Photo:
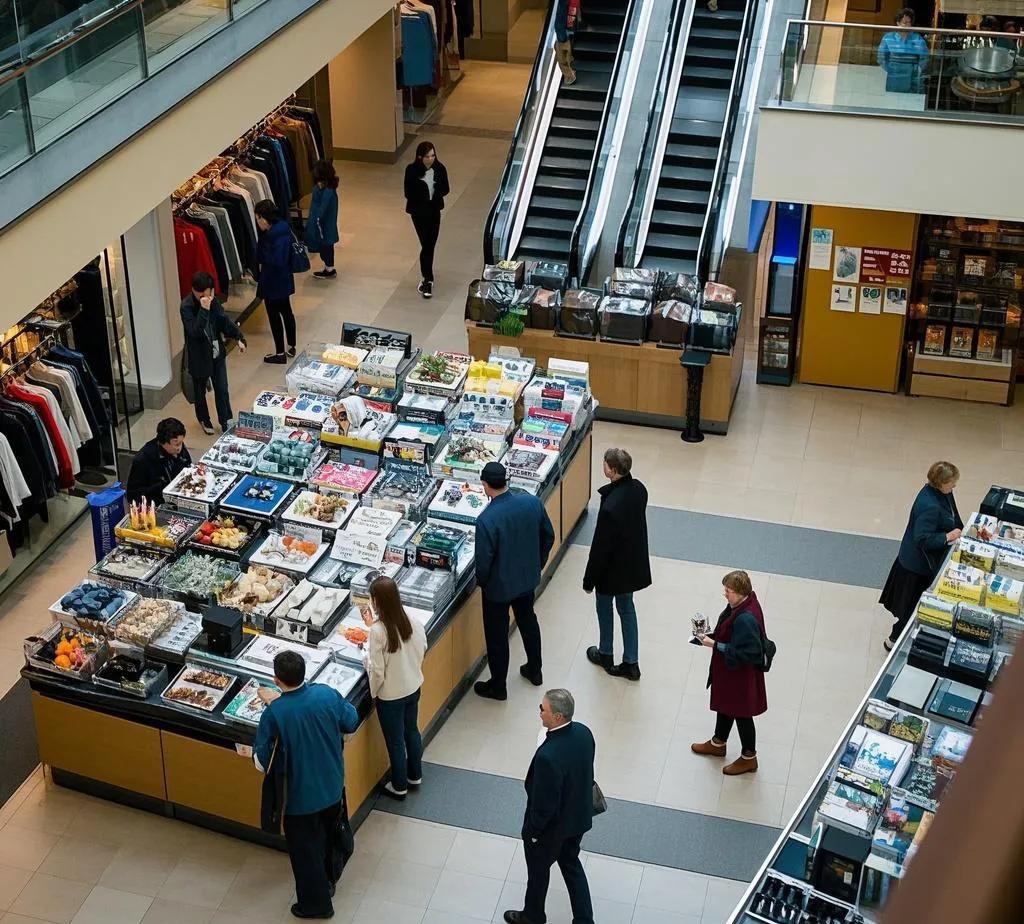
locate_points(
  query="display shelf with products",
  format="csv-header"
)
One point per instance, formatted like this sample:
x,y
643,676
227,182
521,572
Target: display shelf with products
x,y
873,801
160,731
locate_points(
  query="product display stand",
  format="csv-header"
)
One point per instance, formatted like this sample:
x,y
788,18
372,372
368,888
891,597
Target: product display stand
x,y
694,362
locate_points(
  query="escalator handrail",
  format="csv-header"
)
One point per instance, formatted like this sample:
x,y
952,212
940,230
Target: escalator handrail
x,y
577,230
668,55
739,75
528,98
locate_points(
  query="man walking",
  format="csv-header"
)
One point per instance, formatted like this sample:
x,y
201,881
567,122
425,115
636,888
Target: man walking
x,y
619,563
305,724
513,540
559,811
206,324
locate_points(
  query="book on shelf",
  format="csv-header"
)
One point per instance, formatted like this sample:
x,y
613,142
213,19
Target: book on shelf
x,y
883,757
927,779
956,701
951,745
897,827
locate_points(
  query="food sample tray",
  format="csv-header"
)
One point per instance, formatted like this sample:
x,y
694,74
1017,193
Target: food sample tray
x,y
283,551
309,508
128,566
198,488
173,529
92,606
227,535
258,496
196,577
258,656
198,687
234,453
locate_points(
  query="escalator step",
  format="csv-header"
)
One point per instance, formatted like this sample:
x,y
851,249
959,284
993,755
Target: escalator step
x,y
721,38
669,264
702,108
570,144
710,76
581,127
566,166
682,199
594,44
540,247
692,177
672,222
673,245
690,155
722,15
558,184
699,90
697,129
546,226
555,206
575,106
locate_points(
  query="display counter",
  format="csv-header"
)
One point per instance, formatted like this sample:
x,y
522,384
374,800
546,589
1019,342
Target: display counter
x,y
641,383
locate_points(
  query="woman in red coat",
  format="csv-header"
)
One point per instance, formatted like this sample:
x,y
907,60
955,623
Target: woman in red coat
x,y
735,677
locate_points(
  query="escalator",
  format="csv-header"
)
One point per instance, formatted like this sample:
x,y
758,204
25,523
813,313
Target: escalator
x,y
569,148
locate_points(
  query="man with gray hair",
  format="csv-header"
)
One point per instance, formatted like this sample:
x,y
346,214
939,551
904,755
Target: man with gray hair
x,y
619,564
559,811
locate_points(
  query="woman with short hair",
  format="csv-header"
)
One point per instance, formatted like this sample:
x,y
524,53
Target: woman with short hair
x,y
426,185
934,524
394,663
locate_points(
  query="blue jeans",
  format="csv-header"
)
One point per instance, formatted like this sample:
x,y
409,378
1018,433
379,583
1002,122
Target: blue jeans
x,y
627,617
402,737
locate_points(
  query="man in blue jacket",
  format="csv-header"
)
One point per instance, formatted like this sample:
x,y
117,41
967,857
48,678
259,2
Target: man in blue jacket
x,y
305,723
513,540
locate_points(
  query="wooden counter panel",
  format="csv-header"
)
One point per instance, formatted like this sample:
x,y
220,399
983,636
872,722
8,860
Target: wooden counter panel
x,y
576,486
438,677
211,779
366,761
553,506
468,642
98,746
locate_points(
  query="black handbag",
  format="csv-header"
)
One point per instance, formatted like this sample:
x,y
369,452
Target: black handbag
x,y
600,803
344,840
298,260
272,795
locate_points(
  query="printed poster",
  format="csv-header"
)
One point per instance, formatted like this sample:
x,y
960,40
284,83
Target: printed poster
x,y
821,249
895,300
844,298
847,265
899,264
874,266
871,299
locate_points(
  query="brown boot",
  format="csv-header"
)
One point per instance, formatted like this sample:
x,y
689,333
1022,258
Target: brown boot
x,y
740,766
710,748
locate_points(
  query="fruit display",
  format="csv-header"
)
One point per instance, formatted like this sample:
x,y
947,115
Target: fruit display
x,y
257,495
198,575
129,563
258,590
229,534
131,674
198,687
247,707
91,605
155,526
236,453
289,454
328,511
67,652
339,476
146,620
289,552
199,483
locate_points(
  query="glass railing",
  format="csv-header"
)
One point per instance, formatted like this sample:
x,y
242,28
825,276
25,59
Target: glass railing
x,y
527,136
62,63
906,71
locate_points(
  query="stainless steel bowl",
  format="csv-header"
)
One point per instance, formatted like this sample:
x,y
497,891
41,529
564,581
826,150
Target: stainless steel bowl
x,y
987,63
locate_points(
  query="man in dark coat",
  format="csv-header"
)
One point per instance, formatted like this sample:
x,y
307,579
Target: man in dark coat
x,y
559,811
159,462
513,540
206,324
619,563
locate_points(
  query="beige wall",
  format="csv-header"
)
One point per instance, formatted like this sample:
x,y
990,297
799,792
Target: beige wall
x,y
48,246
363,89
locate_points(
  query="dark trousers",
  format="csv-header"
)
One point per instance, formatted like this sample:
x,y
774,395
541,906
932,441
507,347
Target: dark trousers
x,y
496,634
220,394
327,255
310,840
748,734
398,722
428,226
539,859
282,321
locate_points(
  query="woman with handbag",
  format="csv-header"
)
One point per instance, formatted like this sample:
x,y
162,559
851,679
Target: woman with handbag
x,y
322,223
276,283
736,673
394,664
934,523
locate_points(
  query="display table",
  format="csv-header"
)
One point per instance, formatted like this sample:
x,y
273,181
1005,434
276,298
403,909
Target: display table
x,y
183,764
964,379
633,384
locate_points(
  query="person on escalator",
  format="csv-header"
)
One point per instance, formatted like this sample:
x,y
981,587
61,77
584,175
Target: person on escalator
x,y
566,14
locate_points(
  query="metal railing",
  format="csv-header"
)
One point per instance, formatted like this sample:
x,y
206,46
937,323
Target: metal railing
x,y
57,74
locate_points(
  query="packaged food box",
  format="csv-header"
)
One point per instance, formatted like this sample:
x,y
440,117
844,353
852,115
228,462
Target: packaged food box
x,y
258,495
977,554
578,316
1003,594
324,511
348,479
549,274
962,582
936,611
670,322
459,501
198,488
510,271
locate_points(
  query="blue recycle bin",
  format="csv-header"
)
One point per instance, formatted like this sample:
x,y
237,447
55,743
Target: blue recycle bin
x,y
107,509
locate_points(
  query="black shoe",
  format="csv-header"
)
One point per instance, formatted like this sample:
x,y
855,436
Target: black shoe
x,y
291,351
483,688
391,793
297,912
535,677
426,289
516,917
629,671
325,274
594,656
278,359
208,428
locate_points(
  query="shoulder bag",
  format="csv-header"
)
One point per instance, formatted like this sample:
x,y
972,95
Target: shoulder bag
x,y
272,796
600,803
298,257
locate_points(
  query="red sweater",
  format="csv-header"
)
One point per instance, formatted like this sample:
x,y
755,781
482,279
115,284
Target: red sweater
x,y
193,254
65,474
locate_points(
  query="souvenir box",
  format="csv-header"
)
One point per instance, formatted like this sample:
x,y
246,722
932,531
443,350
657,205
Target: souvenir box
x,y
578,316
510,271
480,424
129,566
308,612
171,530
347,479
430,589
1003,594
235,453
466,453
354,422
198,687
406,491
198,488
542,433
962,582
555,395
258,496
535,464
398,551
428,409
92,606
934,342
364,577
269,402
227,535
976,554
291,454
349,637
381,397
374,522
343,354
544,307
256,592
381,367
458,501
412,442
961,341
246,707
295,554
357,549
437,544
549,274
196,578
324,511
340,675
712,330
679,286
72,654
526,485
131,674
305,410
670,322
441,373
145,621
258,656
309,372
175,641
624,319
1010,564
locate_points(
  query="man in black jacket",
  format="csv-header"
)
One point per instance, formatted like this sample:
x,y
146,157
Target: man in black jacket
x,y
159,462
619,563
559,811
206,324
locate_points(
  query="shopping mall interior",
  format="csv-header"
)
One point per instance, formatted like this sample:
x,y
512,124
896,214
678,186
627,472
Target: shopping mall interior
x,y
731,239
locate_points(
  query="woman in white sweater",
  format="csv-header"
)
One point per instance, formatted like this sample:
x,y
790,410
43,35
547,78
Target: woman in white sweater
x,y
394,662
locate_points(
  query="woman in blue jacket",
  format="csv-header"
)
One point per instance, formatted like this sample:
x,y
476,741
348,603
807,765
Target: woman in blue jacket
x,y
322,223
934,524
903,55
276,284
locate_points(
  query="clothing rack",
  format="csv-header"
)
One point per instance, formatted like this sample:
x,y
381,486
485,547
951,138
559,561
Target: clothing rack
x,y
21,363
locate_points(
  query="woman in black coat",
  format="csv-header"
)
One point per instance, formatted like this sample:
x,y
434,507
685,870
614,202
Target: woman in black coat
x,y
619,563
934,523
426,185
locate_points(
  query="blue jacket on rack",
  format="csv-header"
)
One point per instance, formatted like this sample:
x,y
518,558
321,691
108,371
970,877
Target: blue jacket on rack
x,y
322,223
276,280
419,50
